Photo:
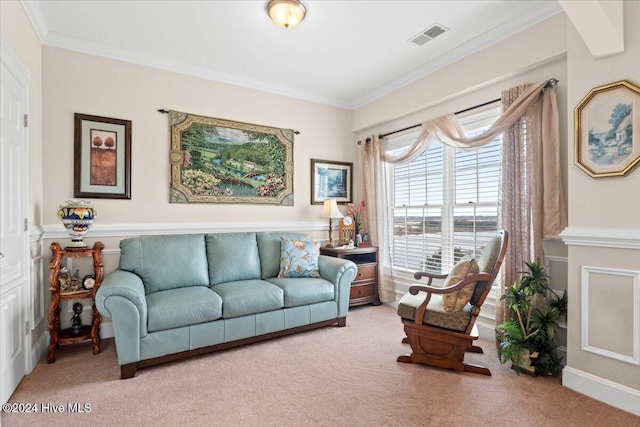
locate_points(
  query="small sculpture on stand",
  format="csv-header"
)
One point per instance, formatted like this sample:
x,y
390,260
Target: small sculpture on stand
x,y
64,280
76,282
76,321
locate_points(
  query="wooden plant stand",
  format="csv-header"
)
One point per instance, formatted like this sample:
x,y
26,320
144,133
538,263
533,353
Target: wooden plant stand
x,y
58,336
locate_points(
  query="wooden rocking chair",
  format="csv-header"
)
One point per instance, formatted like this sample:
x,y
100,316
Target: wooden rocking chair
x,y
439,338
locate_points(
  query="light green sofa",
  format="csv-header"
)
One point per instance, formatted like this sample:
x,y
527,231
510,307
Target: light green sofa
x,y
180,295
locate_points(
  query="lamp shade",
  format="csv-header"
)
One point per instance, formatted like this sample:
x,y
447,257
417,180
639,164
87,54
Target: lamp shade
x,y
286,13
330,209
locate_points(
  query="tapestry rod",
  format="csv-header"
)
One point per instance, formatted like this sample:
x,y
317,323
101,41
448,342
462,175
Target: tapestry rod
x,y
163,111
550,83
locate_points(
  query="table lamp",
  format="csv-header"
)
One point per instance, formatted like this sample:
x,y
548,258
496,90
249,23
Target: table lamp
x,y
330,211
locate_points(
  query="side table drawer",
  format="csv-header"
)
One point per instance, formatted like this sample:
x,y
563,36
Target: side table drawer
x,y
362,291
366,271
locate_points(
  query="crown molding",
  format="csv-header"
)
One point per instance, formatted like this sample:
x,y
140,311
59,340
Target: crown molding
x,y
474,45
623,238
39,23
486,39
57,231
63,41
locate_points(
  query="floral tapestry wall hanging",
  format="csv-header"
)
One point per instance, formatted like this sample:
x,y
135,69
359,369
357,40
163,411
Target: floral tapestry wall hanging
x,y
222,161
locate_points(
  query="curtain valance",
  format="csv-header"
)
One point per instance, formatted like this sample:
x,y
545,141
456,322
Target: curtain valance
x,y
447,130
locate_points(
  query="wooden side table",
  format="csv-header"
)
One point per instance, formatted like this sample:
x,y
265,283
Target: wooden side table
x,y
58,336
364,289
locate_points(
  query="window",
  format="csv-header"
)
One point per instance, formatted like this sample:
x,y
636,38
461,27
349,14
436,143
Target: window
x,y
445,204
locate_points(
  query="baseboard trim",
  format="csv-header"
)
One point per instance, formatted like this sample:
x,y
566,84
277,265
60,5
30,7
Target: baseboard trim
x,y
486,331
614,394
39,350
106,330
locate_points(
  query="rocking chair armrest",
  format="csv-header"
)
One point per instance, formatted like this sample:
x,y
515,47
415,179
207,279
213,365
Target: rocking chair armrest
x,y
420,274
422,308
414,289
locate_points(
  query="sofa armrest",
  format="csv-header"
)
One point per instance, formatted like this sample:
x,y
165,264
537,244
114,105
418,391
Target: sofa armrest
x,y
341,273
121,298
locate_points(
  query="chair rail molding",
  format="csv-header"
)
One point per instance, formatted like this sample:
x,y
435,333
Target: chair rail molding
x,y
57,231
623,238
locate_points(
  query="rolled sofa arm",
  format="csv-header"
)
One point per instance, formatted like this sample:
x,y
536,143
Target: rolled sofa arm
x,y
341,273
121,298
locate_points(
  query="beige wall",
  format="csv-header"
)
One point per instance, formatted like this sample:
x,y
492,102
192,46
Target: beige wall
x,y
15,25
75,82
596,204
17,29
507,58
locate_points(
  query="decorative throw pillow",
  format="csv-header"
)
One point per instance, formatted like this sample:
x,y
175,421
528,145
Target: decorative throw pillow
x,y
455,301
299,258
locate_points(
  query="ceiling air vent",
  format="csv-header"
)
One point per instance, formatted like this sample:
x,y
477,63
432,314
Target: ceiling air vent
x,y
429,34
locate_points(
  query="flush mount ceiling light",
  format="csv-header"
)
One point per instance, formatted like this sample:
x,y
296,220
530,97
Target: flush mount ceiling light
x,y
286,13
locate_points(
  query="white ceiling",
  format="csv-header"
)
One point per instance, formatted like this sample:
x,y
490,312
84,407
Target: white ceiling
x,y
345,53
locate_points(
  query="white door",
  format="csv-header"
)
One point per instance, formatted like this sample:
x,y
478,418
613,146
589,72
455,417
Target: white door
x,y
14,255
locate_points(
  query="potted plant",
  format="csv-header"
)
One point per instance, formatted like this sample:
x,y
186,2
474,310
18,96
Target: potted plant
x,y
527,339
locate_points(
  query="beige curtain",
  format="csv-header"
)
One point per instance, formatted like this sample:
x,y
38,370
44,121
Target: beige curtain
x,y
532,200
546,204
377,214
448,131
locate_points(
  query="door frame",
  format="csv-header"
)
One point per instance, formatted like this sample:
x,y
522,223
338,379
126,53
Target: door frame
x,y
10,59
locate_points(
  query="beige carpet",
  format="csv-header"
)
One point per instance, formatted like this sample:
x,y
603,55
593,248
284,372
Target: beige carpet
x,y
327,377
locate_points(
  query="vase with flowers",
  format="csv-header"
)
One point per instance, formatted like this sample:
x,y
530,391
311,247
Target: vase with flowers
x,y
357,213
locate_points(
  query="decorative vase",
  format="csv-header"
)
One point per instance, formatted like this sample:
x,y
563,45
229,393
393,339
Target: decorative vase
x,y
77,216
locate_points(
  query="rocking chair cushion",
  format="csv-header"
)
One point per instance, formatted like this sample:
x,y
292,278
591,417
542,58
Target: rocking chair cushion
x,y
486,263
456,301
435,314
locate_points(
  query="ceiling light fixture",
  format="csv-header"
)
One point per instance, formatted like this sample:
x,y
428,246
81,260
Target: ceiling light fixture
x,y
286,13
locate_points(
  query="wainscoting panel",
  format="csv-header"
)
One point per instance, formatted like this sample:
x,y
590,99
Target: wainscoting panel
x,y
611,296
37,291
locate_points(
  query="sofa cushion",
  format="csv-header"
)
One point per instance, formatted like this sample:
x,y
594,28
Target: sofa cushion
x,y
174,308
305,291
246,297
299,258
232,256
435,314
166,262
269,246
456,301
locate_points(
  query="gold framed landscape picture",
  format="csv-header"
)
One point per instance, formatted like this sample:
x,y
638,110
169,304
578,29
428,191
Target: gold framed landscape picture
x,y
607,129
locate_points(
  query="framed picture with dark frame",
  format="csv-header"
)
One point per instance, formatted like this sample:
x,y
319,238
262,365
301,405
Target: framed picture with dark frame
x,y
331,180
607,129
102,157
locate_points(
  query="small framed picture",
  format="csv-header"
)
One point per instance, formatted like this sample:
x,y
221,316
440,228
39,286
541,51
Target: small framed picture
x,y
607,128
331,179
102,157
